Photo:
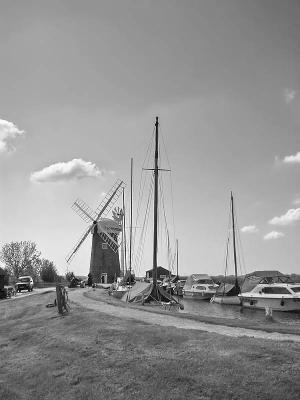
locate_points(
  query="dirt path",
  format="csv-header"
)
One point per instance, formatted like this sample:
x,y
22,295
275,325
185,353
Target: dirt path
x,y
78,297
23,294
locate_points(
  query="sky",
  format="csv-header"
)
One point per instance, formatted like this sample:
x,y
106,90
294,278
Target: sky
x,y
81,84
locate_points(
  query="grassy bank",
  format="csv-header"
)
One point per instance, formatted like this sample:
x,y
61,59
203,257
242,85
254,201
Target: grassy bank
x,y
89,355
265,325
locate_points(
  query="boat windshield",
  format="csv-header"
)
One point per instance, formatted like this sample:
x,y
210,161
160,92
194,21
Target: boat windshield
x,y
200,287
296,289
205,281
275,290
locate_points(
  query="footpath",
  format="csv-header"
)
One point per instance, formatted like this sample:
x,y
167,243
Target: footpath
x,y
79,297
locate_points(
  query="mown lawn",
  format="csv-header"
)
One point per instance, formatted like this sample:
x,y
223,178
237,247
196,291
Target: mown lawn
x,y
88,355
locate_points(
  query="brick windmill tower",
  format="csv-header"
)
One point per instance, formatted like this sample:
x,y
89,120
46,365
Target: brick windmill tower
x,y
105,263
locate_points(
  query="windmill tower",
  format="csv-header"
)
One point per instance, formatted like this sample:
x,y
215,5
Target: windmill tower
x,y
105,263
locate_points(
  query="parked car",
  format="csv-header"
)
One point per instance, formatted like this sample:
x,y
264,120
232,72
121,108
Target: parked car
x,y
24,283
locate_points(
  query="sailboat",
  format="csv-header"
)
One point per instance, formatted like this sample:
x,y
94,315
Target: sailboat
x,y
152,292
228,293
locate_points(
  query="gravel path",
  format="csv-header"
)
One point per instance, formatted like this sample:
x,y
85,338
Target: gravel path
x,y
78,297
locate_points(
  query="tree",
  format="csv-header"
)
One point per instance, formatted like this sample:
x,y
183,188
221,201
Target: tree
x,y
5,274
21,258
48,271
69,276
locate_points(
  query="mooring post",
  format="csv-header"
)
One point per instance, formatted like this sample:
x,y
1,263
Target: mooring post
x,y
59,299
269,313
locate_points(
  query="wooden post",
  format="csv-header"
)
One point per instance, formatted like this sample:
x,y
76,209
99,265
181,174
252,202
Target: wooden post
x,y
61,299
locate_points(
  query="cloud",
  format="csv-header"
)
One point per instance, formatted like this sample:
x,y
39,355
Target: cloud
x,y
273,235
292,159
289,218
249,229
296,201
289,95
8,132
67,171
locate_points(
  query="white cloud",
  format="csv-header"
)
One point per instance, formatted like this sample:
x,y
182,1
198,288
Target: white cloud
x,y
249,229
289,218
8,132
289,95
273,235
66,171
294,159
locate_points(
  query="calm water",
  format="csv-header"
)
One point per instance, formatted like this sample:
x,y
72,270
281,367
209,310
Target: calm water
x,y
200,307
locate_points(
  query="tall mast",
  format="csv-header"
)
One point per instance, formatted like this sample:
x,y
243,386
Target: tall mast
x,y
234,245
177,258
124,236
155,205
130,242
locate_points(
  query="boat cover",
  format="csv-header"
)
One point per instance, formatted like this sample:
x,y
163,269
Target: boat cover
x,y
226,289
256,277
143,292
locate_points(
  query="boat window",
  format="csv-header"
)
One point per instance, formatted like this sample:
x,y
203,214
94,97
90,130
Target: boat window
x,y
296,289
200,287
205,281
275,290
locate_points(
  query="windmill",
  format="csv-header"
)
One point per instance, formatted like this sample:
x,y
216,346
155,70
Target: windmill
x,y
104,264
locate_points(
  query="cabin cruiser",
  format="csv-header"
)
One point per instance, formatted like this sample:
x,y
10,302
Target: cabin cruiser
x,y
200,287
277,296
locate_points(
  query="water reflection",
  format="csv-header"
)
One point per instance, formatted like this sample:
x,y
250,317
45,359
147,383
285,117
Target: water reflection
x,y
207,309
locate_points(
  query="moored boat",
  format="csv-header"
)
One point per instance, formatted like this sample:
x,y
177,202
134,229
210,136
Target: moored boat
x,y
199,286
277,296
226,293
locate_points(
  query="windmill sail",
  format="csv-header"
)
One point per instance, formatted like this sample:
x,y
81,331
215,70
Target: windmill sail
x,y
88,215
78,244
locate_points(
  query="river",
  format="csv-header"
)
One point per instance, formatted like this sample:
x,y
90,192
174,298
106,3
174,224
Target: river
x,y
205,308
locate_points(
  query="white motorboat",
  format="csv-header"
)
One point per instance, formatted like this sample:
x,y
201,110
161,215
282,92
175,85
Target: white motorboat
x,y
200,287
277,296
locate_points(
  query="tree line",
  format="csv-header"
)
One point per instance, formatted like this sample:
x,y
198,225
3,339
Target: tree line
x,y
24,258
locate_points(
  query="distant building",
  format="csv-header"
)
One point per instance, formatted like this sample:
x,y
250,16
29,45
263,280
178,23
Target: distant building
x,y
161,273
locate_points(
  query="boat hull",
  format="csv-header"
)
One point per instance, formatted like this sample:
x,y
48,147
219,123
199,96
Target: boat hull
x,y
228,300
189,294
277,304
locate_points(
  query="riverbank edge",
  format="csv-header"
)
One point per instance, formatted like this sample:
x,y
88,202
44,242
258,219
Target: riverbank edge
x,y
272,327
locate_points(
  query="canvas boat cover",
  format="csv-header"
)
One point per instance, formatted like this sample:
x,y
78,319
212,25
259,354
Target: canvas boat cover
x,y
226,289
195,278
257,277
146,292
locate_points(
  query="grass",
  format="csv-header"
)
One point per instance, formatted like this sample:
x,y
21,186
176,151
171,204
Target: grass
x,y
89,355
